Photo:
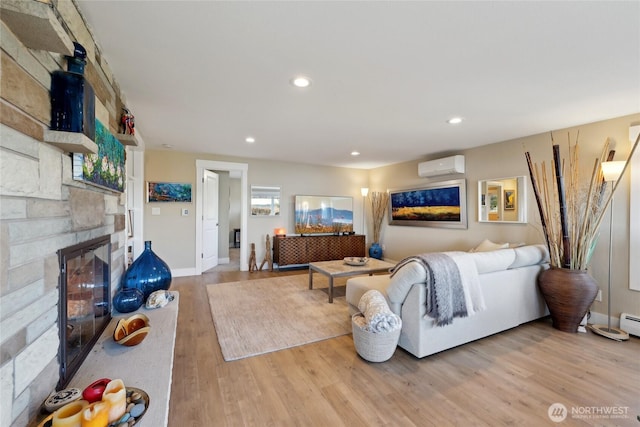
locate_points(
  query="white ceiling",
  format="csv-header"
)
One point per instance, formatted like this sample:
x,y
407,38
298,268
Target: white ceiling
x,y
203,75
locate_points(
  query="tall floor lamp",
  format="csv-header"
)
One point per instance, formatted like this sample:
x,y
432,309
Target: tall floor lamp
x,y
611,172
365,192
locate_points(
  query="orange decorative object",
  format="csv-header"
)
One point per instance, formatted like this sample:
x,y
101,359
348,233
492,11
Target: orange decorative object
x,y
96,415
131,331
280,231
70,414
115,394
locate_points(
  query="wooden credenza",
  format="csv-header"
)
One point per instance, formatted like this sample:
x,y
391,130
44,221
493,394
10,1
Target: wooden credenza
x,y
289,250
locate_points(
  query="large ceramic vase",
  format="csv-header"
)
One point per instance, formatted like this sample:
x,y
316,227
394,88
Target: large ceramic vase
x,y
375,251
568,294
148,273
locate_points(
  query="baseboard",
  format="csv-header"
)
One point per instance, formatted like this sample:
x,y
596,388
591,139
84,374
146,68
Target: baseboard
x,y
601,319
181,272
224,260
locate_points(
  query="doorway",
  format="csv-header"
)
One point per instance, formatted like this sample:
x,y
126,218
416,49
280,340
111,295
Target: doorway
x,y
242,169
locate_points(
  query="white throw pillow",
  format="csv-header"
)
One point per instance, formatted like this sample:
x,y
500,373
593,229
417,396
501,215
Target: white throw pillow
x,y
530,255
487,245
488,262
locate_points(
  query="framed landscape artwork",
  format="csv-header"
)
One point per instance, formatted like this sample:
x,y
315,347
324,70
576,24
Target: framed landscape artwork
x,y
437,204
323,214
106,168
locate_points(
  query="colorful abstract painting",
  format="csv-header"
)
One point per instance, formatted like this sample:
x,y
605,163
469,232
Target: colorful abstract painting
x,y
168,192
106,168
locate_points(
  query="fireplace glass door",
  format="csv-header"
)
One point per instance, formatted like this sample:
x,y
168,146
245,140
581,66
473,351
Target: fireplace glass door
x,y
84,309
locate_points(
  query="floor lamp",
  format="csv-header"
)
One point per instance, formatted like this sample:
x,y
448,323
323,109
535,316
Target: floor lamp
x,y
364,191
611,172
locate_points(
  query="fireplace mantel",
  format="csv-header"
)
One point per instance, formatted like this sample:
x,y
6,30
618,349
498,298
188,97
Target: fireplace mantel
x,y
147,366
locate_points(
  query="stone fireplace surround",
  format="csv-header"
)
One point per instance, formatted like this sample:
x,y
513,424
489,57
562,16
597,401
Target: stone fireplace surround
x,y
35,224
42,209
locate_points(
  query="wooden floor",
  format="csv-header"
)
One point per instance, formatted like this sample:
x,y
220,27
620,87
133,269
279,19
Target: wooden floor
x,y
508,379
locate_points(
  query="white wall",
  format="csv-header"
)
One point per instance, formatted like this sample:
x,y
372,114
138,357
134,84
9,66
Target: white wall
x,y
173,237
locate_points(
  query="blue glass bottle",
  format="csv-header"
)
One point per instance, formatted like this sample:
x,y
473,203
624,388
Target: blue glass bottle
x,y
72,97
148,273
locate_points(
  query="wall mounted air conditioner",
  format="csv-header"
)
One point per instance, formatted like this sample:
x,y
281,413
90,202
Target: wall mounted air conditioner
x,y
630,323
445,166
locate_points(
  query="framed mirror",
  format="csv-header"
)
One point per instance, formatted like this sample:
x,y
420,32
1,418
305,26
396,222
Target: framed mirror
x,y
503,200
265,201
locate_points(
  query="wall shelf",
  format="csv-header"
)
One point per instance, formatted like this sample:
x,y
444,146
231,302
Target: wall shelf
x,y
70,142
126,139
36,25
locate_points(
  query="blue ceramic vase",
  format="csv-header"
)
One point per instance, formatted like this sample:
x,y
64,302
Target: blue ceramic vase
x,y
375,251
148,273
127,300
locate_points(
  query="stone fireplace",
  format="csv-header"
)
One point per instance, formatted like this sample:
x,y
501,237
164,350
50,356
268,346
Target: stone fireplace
x,y
84,309
43,209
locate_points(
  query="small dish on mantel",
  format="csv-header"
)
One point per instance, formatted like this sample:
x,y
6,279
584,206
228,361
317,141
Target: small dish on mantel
x,y
131,331
356,260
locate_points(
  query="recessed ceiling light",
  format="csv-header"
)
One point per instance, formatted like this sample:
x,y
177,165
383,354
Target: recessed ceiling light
x,y
250,139
301,81
454,120
355,153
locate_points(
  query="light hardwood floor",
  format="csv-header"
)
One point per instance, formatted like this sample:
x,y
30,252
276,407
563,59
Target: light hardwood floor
x,y
508,379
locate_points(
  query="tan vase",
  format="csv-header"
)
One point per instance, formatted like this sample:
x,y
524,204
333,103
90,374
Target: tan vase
x,y
568,294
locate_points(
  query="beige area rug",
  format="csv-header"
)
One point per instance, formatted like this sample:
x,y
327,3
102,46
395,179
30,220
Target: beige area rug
x,y
260,316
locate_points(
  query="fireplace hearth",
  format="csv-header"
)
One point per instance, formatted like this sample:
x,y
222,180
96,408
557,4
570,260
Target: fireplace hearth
x,y
84,309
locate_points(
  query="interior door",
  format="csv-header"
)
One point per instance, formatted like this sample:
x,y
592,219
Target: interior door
x,y
210,221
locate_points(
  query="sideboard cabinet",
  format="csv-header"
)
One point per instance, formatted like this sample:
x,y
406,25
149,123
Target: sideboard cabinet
x,y
289,250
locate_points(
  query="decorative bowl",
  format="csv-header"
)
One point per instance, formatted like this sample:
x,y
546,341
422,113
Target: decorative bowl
x,y
131,331
356,260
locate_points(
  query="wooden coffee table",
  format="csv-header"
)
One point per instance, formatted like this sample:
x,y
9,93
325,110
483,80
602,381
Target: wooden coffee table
x,y
340,268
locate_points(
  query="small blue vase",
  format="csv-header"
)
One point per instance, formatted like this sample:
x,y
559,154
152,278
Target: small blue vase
x,y
128,300
375,251
148,273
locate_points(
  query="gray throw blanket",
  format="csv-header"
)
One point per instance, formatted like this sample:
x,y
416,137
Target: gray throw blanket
x,y
445,292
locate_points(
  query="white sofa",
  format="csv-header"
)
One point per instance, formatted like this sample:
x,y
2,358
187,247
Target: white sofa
x,y
507,282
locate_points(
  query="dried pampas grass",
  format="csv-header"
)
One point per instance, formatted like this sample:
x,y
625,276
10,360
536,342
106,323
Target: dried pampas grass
x,y
379,201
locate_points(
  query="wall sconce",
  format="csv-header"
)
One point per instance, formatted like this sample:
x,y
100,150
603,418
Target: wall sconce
x,y
280,231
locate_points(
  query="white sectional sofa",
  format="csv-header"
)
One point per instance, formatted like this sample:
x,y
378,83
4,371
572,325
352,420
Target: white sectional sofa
x,y
508,284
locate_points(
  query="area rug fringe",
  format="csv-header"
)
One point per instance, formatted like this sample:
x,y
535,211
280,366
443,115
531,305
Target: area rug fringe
x,y
261,316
